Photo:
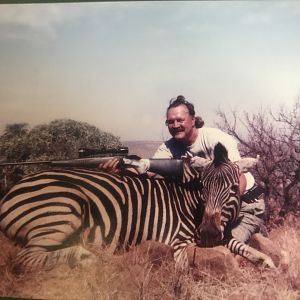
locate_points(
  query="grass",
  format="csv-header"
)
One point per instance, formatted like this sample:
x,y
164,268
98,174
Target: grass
x,y
138,275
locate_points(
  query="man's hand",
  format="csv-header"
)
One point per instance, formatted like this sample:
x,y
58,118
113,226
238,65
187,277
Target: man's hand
x,y
142,165
111,166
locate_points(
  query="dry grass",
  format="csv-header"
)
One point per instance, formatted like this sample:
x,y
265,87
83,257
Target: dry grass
x,y
137,275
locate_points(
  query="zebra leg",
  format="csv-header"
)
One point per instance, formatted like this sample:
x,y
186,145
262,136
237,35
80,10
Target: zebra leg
x,y
181,255
74,256
280,257
250,253
37,258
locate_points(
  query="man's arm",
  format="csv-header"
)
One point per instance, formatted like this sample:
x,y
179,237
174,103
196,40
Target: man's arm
x,y
243,183
162,152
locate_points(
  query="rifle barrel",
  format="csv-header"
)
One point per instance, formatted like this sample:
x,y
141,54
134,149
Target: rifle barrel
x,y
91,162
23,163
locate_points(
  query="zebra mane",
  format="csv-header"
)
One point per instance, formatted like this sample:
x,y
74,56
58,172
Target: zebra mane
x,y
220,154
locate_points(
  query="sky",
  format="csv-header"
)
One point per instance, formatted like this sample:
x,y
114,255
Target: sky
x,y
116,65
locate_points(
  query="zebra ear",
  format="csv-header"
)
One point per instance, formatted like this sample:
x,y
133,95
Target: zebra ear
x,y
245,164
199,163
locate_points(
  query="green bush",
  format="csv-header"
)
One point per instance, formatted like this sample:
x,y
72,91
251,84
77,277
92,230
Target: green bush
x,y
59,139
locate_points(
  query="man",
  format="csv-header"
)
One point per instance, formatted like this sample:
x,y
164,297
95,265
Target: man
x,y
189,135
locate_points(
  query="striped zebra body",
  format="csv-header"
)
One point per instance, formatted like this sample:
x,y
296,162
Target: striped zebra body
x,y
51,212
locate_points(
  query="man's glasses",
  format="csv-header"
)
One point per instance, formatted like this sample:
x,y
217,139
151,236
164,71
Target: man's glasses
x,y
172,122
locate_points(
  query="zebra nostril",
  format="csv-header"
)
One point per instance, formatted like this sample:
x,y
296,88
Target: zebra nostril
x,y
208,236
198,237
84,256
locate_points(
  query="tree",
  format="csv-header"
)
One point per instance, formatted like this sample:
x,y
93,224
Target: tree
x,y
290,139
59,139
276,138
13,144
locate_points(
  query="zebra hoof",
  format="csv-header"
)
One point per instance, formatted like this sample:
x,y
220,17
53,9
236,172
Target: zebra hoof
x,y
82,258
87,262
285,261
268,263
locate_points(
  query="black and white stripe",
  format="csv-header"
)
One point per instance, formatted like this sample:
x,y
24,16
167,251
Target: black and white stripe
x,y
52,212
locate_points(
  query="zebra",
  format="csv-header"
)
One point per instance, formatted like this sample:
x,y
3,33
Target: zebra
x,y
52,214
221,197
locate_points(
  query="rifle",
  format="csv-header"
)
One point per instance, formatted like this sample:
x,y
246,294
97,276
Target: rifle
x,y
89,158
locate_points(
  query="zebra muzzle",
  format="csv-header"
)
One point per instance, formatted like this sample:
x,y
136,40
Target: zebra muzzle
x,y
209,233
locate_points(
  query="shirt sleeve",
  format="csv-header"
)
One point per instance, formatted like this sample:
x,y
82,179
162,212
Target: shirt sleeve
x,y
163,152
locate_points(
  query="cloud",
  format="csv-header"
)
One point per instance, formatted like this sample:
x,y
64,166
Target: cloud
x,y
40,15
256,19
29,21
38,18
264,13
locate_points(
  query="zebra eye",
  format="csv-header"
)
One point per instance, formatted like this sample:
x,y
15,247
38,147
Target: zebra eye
x,y
200,185
235,188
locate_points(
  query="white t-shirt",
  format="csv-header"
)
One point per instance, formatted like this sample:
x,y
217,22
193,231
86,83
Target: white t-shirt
x,y
203,146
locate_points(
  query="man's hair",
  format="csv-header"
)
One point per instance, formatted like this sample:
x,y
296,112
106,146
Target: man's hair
x,y
180,100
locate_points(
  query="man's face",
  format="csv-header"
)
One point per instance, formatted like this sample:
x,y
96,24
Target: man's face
x,y
180,123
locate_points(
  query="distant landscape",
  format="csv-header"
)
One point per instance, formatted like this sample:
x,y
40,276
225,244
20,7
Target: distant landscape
x,y
144,149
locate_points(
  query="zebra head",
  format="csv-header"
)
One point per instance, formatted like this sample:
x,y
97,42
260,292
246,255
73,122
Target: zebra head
x,y
220,194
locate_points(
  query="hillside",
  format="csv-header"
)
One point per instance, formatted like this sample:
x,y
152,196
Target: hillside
x,y
144,149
